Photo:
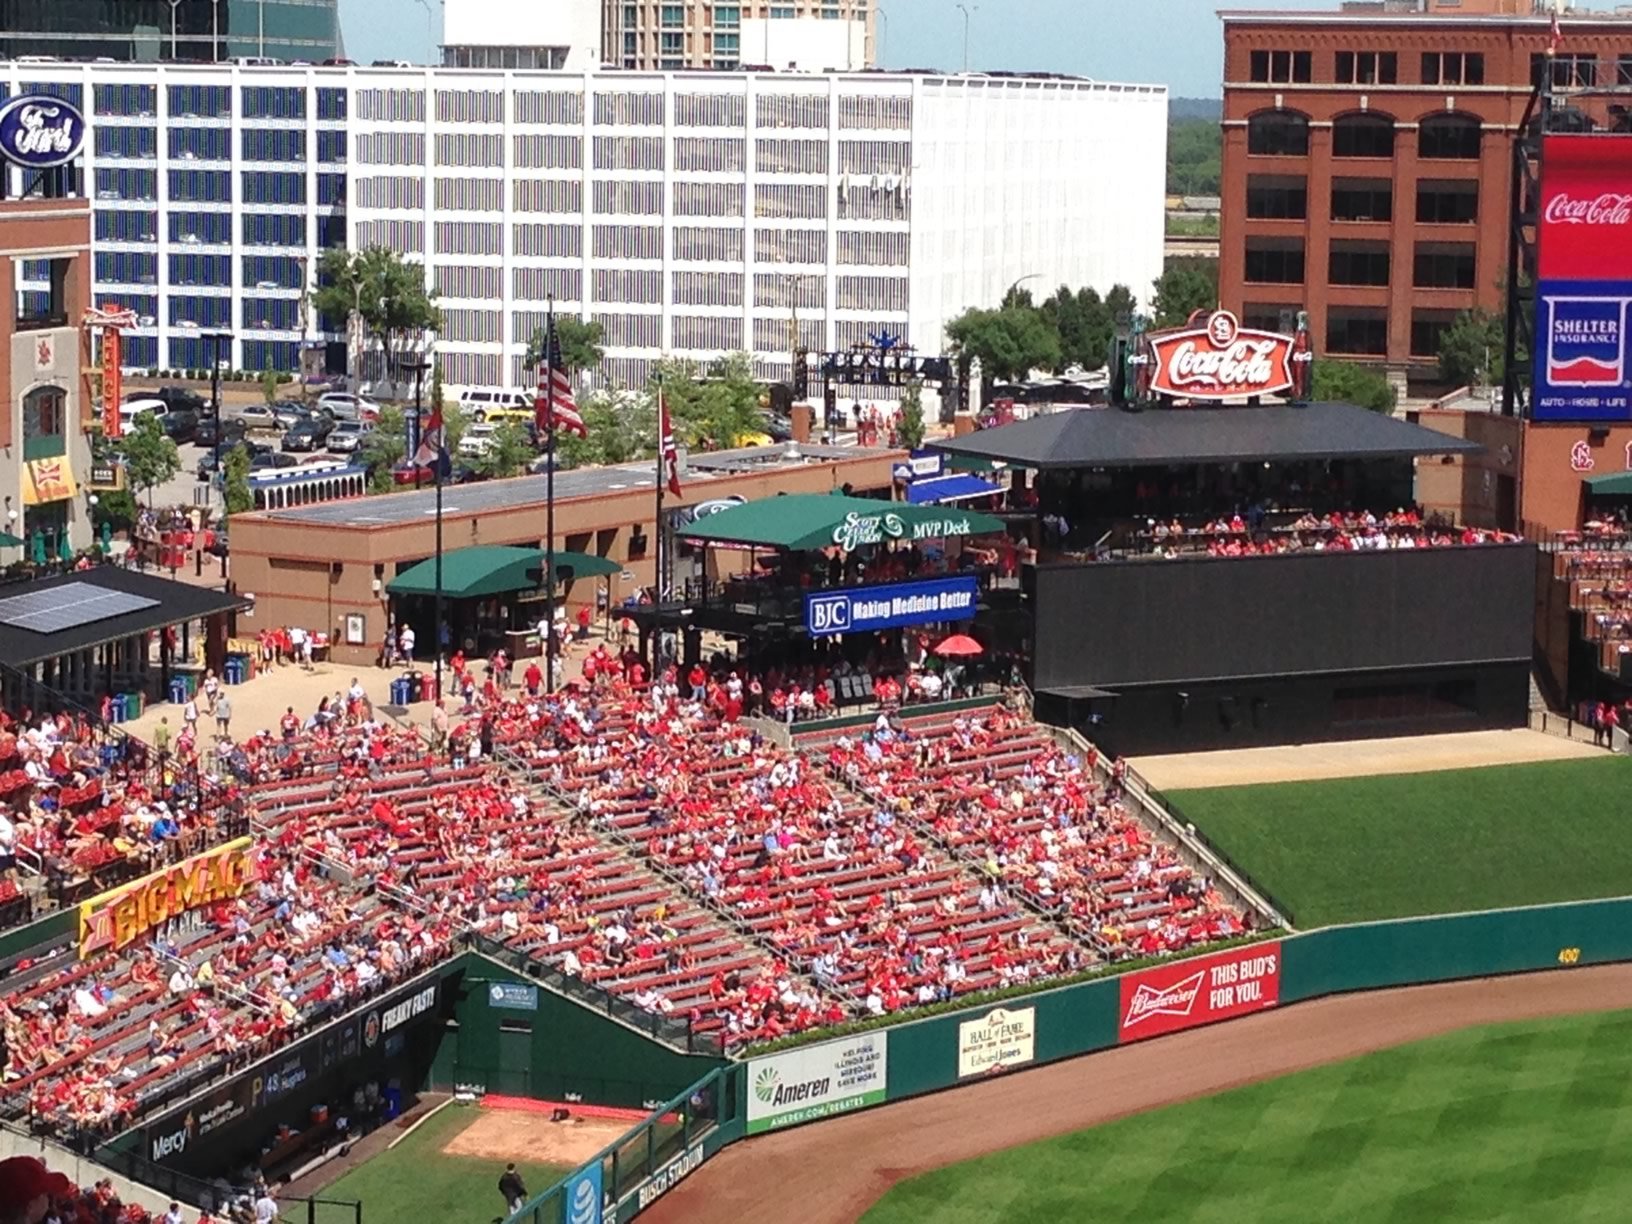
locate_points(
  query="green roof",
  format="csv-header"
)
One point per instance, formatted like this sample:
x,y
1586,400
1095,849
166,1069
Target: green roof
x,y
491,570
1611,484
800,521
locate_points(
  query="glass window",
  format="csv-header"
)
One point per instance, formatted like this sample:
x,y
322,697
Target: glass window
x,y
1367,68
1363,135
1358,263
1277,198
1449,136
1274,261
45,423
1278,134
1281,67
673,15
1362,200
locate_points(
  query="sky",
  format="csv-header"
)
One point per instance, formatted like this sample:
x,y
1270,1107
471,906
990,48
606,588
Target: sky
x,y
1177,43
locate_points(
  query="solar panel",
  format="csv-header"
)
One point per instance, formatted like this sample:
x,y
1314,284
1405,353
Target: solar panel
x,y
68,607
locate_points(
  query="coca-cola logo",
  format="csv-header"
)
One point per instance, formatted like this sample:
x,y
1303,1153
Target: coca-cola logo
x,y
1221,360
1607,208
40,132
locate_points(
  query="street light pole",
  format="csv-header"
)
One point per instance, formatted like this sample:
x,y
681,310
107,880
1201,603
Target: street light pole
x,y
966,10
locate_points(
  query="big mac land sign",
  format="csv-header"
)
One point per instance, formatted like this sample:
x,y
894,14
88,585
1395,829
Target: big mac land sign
x,y
1212,357
1200,990
117,918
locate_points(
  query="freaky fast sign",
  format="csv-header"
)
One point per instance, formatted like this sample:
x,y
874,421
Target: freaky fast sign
x,y
1218,359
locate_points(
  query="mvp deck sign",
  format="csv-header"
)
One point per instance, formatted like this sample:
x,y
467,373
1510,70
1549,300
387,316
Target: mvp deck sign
x,y
1199,991
1220,360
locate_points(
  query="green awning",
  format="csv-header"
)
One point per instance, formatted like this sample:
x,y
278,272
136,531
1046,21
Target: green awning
x,y
492,570
801,521
1611,484
974,463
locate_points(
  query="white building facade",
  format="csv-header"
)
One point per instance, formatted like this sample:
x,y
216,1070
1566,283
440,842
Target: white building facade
x,y
692,214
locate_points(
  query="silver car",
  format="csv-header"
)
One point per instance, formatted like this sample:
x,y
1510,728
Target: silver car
x,y
347,437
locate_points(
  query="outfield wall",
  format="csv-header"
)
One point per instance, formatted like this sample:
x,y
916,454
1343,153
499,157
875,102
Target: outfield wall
x,y
808,1083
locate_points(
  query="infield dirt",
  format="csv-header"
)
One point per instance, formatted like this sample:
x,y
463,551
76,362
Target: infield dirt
x,y
832,1171
502,1135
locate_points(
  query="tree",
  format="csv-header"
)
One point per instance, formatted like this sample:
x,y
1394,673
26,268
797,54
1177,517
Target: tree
x,y
388,293
1010,342
150,457
386,445
235,481
909,427
509,451
116,508
1194,157
1470,349
269,385
1184,287
1353,384
621,425
1084,324
580,345
712,409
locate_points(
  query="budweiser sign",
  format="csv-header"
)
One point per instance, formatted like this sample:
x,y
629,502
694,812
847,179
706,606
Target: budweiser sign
x,y
1607,208
1220,360
1183,994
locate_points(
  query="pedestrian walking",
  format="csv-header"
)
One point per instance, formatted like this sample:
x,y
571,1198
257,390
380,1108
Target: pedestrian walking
x,y
223,717
513,1188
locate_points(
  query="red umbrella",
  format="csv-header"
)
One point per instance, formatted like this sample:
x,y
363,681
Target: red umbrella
x,y
957,645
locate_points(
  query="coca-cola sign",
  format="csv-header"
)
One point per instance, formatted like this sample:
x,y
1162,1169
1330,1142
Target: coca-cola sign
x,y
1608,208
1220,360
39,132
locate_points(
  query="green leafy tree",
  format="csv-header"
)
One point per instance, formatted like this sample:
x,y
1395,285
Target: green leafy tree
x,y
580,344
388,293
1351,383
621,425
1010,342
116,508
269,385
712,408
910,427
1194,157
509,451
1119,301
1470,349
1084,323
1185,286
150,457
235,481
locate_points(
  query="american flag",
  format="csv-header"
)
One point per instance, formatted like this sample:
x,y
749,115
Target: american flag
x,y
1555,36
433,444
555,390
668,454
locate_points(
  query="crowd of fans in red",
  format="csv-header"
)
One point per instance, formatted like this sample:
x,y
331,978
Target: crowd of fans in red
x,y
1338,531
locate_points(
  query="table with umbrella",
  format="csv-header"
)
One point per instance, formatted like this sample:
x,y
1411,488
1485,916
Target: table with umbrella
x,y
958,646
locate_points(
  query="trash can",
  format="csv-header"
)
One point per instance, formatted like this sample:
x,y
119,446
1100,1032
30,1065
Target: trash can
x,y
118,708
428,691
399,691
178,690
416,687
232,671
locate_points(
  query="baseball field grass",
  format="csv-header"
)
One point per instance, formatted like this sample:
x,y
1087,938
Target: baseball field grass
x,y
419,1183
1402,845
1513,1122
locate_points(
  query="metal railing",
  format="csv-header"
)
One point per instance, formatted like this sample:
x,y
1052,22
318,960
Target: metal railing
x,y
218,1197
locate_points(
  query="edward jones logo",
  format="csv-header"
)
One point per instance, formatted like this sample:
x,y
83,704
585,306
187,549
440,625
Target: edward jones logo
x,y
1586,341
1200,990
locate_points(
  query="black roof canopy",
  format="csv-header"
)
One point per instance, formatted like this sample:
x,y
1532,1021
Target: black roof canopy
x,y
161,602
1112,438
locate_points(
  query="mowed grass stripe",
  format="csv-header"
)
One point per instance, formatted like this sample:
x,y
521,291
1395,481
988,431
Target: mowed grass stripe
x,y
1513,1123
417,1183
1403,845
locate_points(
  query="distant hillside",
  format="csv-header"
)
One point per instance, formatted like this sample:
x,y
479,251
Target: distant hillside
x,y
1211,109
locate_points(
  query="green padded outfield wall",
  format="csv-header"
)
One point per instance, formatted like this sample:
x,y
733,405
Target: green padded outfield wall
x,y
555,1048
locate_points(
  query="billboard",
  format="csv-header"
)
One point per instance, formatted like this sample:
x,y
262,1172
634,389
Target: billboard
x,y
1001,1039
1217,359
816,1082
863,609
1583,279
1201,990
114,919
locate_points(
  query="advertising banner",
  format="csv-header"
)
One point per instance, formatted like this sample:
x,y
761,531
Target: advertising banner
x,y
584,1196
817,1082
514,995
1199,991
112,388
115,919
864,609
999,1040
1218,359
1584,279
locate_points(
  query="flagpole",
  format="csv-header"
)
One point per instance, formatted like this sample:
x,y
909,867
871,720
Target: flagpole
x,y
551,648
657,639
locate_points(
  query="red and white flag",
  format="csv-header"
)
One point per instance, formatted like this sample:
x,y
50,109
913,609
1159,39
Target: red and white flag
x,y
1555,36
433,442
668,453
555,393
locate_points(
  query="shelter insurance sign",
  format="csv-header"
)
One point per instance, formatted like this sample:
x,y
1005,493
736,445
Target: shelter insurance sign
x,y
1584,280
816,1082
893,605
1199,991
1219,360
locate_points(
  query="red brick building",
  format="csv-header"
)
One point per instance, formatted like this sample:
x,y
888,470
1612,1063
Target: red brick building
x,y
1367,161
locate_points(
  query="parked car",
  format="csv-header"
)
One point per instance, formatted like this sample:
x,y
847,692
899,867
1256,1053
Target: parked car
x,y
478,440
347,437
268,460
181,424
403,474
497,405
206,461
181,397
344,406
264,416
778,426
233,431
140,406
308,433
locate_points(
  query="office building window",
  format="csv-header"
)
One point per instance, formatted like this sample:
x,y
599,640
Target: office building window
x,y
1367,68
1428,328
1362,200
126,225
1448,137
272,102
1357,330
1453,68
1281,67
331,104
1278,133
128,101
200,186
1568,71
1363,135
1443,265
1623,71
200,228
200,310
72,94
672,16
1270,316
629,109
127,268
273,187
287,229
1274,197
1447,201
331,146
274,144
1358,263
707,288
127,183
45,423
727,16
1274,261
123,143
273,271
549,106
200,144
200,102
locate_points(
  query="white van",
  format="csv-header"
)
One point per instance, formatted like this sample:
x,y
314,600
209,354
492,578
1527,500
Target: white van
x,y
497,405
133,408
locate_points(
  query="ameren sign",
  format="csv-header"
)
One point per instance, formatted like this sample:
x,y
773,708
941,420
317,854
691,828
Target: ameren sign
x,y
816,1082
1221,360
997,1041
115,919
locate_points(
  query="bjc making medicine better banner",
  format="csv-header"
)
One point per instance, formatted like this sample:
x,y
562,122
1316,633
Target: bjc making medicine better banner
x,y
1200,990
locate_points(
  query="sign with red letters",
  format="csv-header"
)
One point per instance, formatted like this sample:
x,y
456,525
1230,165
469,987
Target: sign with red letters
x,y
1218,359
1200,990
